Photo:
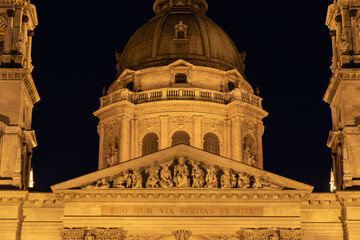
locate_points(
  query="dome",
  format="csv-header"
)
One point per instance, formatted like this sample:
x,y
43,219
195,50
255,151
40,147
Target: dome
x,y
180,30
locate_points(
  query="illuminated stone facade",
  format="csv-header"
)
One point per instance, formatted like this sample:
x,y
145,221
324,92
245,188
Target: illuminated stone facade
x,y
180,152
343,93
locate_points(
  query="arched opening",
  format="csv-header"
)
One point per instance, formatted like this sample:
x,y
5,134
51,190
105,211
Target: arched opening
x,y
231,86
150,144
180,34
180,137
212,143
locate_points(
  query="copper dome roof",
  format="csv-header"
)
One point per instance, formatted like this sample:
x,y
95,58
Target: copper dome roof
x,y
204,44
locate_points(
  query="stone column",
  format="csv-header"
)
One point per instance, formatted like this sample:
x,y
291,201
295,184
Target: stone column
x,y
164,131
9,30
16,28
354,30
137,154
333,41
101,132
346,24
346,163
133,139
197,132
124,139
228,139
260,163
28,49
236,139
338,20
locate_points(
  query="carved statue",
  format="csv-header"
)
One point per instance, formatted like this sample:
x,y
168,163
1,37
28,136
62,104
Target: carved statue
x,y
128,179
211,179
102,184
153,180
249,158
257,183
268,185
136,179
233,180
198,176
114,156
181,174
244,180
225,180
119,182
165,176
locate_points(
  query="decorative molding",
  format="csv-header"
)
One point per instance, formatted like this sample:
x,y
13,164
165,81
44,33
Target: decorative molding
x,y
92,233
271,234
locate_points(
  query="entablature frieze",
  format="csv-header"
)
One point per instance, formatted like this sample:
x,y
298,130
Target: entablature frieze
x,y
119,109
245,109
243,234
187,196
197,107
25,77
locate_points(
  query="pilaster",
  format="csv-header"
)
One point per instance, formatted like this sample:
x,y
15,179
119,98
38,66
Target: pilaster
x,y
124,139
197,132
236,139
164,131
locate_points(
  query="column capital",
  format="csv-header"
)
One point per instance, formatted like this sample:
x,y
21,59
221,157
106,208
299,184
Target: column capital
x,y
11,12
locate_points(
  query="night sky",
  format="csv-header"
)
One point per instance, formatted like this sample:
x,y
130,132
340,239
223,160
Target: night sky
x,y
288,57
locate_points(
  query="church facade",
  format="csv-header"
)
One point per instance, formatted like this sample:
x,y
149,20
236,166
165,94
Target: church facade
x,y
180,141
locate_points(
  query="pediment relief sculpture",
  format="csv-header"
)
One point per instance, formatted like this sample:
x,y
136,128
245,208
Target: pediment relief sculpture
x,y
182,172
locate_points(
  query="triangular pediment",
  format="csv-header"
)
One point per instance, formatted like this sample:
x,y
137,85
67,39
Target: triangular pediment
x,y
182,167
181,63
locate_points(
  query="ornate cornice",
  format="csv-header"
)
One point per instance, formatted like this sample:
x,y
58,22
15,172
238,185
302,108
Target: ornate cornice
x,y
182,196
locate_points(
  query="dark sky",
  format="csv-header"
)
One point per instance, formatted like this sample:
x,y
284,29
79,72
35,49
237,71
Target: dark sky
x,y
288,57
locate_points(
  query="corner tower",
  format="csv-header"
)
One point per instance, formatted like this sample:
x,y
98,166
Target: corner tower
x,y
18,93
180,81
343,93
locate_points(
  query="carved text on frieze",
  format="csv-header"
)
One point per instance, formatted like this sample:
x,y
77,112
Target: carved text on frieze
x,y
181,211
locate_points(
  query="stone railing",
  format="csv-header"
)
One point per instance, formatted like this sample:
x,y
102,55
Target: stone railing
x,y
195,94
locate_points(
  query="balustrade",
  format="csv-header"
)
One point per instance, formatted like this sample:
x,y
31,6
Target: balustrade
x,y
180,94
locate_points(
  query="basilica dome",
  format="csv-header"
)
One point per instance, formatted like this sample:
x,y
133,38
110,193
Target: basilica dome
x,y
180,30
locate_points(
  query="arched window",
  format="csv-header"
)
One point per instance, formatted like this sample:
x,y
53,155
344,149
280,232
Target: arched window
x,y
180,137
211,143
150,143
180,34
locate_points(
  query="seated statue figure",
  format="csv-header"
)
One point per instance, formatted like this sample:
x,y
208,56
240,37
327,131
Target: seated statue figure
x,y
198,176
225,180
165,176
181,174
211,179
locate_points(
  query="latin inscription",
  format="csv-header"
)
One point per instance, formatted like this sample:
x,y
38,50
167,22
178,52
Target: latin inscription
x,y
181,211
